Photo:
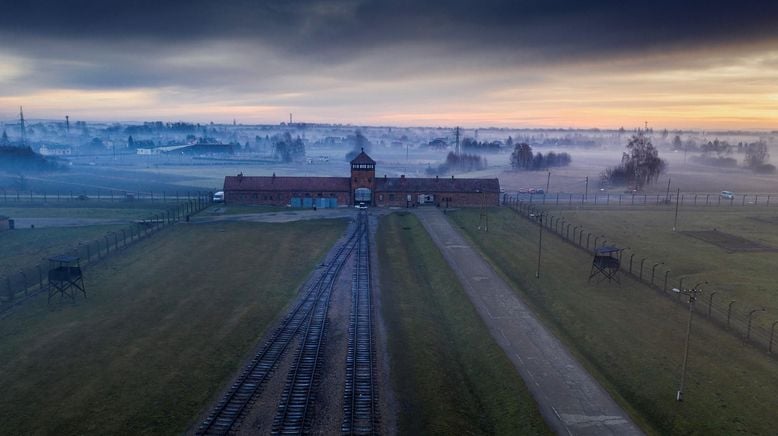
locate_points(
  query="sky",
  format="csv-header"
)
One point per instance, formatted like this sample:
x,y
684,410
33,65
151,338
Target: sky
x,y
521,63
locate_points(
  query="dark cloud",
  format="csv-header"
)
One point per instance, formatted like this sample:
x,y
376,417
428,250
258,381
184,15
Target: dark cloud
x,y
343,29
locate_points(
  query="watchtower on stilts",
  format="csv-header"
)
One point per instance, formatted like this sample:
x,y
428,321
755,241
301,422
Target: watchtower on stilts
x,y
65,277
606,262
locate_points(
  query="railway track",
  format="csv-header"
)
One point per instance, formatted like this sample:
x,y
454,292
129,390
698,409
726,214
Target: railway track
x,y
360,396
292,415
231,409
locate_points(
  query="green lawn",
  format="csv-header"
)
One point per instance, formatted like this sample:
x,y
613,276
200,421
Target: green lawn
x,y
631,338
449,375
165,326
84,209
747,277
25,248
222,209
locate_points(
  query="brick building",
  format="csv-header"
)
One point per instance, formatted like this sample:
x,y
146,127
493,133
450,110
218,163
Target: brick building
x,y
361,187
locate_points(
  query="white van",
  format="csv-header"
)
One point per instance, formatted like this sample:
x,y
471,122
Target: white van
x,y
218,197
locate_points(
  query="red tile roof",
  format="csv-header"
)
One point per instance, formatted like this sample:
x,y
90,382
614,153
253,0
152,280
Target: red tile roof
x,y
363,158
405,184
273,183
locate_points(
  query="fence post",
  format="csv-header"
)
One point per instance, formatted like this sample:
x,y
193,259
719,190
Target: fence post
x,y
40,276
24,281
729,312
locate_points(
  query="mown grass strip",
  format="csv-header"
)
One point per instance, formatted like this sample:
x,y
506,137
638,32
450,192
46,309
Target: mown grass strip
x,y
164,327
631,338
449,375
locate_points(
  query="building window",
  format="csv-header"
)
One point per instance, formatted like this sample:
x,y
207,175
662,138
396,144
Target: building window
x,y
381,197
369,180
391,197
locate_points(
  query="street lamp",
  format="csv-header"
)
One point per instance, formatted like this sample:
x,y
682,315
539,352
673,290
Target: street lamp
x,y
692,293
540,243
750,317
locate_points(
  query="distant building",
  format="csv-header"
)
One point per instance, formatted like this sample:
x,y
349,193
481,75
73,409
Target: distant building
x,y
361,187
55,150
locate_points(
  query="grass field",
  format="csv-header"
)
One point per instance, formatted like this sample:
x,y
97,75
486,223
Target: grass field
x,y
165,325
747,277
243,209
25,248
449,375
631,338
114,210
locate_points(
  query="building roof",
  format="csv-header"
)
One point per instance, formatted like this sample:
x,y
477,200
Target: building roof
x,y
273,183
363,158
404,184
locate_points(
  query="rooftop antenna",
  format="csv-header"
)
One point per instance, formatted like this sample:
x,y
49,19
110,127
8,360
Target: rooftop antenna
x,y
290,118
67,123
21,122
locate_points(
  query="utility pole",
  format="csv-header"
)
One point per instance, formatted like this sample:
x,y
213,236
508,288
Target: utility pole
x,y
586,192
456,134
692,293
21,123
67,123
667,195
548,182
677,202
540,243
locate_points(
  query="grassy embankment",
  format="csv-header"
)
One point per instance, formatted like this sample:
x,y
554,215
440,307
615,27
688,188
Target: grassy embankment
x,y
747,277
631,338
449,375
165,326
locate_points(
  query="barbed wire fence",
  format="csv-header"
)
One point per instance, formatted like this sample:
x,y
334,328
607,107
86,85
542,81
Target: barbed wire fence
x,y
27,283
733,316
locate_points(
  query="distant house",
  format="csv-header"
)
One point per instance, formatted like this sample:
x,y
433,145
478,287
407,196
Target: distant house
x,y
4,224
438,143
361,187
55,150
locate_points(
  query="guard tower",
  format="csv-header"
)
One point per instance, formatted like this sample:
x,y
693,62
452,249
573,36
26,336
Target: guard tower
x,y
65,277
606,262
362,178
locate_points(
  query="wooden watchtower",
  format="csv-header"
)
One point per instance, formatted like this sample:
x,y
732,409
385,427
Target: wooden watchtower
x,y
65,277
606,262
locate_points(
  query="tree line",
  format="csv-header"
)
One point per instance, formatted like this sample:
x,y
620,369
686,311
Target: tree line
x,y
523,158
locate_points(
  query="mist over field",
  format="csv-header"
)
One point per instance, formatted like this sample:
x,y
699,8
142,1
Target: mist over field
x,y
81,157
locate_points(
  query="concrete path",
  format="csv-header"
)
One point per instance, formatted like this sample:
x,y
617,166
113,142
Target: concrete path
x,y
570,400
24,223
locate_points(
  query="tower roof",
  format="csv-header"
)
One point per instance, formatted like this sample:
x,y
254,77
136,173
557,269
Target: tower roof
x,y
363,158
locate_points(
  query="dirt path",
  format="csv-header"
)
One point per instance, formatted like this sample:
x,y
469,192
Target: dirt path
x,y
569,399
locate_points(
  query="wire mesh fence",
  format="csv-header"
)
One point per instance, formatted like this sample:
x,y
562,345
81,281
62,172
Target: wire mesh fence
x,y
26,283
15,196
735,317
600,199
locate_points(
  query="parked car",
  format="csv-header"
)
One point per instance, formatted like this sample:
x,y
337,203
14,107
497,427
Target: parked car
x,y
218,197
727,195
360,205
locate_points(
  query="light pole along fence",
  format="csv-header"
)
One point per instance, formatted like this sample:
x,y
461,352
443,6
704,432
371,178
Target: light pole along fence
x,y
732,317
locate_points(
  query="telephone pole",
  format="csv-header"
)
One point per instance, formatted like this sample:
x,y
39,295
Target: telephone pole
x,y
456,134
21,122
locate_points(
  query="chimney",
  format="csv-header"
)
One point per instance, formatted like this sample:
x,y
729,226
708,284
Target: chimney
x,y
384,176
402,176
452,177
436,178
